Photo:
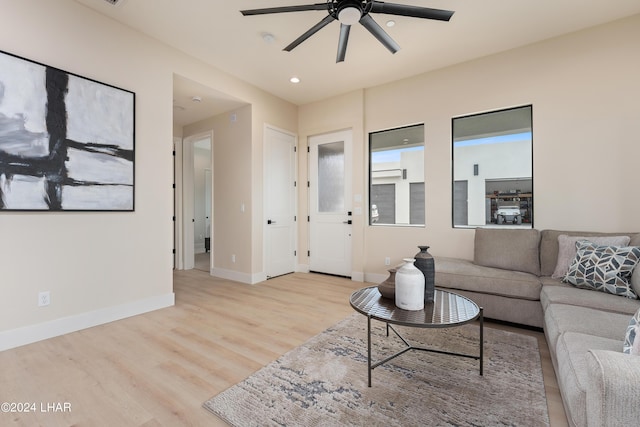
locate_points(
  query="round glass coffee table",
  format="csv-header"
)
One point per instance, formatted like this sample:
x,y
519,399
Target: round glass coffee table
x,y
447,310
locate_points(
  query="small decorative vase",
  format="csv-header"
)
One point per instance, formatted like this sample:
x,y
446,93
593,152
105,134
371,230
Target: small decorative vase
x,y
388,287
409,287
426,264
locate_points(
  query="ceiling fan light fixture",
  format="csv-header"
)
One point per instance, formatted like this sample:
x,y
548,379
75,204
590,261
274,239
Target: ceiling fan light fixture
x,y
349,15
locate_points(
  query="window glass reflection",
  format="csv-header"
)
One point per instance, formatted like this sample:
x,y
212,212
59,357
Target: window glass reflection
x,y
396,191
493,169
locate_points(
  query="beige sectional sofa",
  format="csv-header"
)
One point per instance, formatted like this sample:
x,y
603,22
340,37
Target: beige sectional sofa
x,y
511,278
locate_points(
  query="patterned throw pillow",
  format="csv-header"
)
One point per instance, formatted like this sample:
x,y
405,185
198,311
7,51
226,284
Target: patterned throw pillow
x,y
567,249
604,268
631,344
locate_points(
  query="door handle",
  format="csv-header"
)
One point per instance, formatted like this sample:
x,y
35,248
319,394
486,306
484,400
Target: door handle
x,y
270,222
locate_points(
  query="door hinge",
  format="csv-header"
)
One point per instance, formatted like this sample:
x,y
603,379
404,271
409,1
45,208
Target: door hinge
x,y
295,149
308,253
295,218
295,253
308,218
308,184
174,153
174,219
295,183
308,150
174,251
174,186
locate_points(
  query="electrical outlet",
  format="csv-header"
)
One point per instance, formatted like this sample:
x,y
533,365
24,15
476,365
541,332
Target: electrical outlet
x,y
387,261
44,298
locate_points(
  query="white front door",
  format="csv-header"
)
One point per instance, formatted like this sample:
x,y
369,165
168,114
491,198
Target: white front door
x,y
279,202
330,203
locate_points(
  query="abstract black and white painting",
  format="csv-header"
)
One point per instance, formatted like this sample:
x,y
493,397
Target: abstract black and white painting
x,y
66,142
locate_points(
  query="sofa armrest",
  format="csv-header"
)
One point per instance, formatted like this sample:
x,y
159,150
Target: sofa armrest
x,y
613,389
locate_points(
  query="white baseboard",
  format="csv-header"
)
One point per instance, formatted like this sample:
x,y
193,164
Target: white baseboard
x,y
236,276
53,328
357,276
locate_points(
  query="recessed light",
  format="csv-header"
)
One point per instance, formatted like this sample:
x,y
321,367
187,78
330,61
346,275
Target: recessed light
x,y
294,79
391,23
268,38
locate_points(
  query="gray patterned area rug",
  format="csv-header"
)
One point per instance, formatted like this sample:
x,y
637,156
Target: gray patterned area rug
x,y
324,382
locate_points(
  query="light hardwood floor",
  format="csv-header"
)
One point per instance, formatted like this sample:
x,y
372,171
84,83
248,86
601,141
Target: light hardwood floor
x,y
158,368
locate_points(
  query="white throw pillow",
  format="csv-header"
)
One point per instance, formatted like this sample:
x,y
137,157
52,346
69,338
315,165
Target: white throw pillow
x,y
567,249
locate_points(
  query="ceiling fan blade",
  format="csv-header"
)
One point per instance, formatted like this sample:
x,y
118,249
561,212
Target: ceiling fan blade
x,y
327,20
342,43
412,11
301,8
377,31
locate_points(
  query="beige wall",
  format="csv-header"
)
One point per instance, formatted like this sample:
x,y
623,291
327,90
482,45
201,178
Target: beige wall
x,y
102,266
238,164
99,266
92,261
232,187
584,88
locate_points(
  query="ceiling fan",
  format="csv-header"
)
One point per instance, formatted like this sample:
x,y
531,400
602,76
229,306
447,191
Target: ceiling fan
x,y
349,12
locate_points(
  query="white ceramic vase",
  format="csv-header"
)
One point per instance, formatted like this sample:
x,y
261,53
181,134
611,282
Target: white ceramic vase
x,y
409,286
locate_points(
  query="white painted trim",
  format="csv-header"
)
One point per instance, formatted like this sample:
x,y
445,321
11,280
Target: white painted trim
x,y
187,249
236,276
357,276
65,325
302,268
177,226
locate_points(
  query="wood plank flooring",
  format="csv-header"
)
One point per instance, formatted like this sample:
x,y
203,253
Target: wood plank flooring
x,y
158,368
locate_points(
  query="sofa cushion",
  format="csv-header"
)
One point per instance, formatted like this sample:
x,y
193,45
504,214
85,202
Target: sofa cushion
x,y
631,340
508,249
613,388
567,249
561,318
549,246
454,273
562,293
604,268
573,373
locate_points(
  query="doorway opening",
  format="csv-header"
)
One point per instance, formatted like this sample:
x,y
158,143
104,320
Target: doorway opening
x,y
197,201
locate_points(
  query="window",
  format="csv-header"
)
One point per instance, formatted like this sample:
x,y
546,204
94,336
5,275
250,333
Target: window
x,y
396,176
493,169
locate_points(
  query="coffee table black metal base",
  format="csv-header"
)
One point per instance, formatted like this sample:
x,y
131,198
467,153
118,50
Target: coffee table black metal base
x,y
447,310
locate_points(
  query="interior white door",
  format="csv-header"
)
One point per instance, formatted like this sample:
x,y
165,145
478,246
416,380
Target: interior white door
x,y
330,203
280,202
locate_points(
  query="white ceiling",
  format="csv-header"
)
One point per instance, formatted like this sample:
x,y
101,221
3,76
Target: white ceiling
x,y
216,32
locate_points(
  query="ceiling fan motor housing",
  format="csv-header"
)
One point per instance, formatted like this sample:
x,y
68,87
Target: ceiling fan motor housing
x,y
348,12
